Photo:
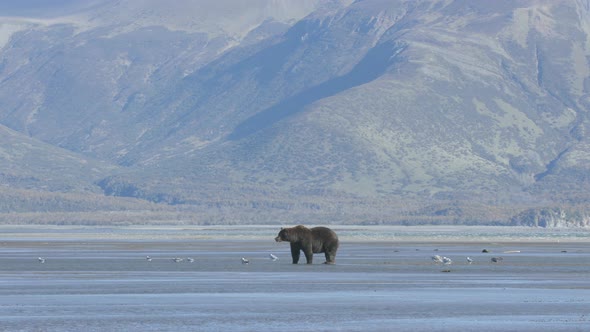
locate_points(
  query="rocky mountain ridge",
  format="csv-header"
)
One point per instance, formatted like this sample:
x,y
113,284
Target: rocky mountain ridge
x,y
367,111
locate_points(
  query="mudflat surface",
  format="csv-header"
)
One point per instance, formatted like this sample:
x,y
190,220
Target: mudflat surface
x,y
98,280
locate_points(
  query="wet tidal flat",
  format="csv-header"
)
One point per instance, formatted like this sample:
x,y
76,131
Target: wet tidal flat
x,y
101,284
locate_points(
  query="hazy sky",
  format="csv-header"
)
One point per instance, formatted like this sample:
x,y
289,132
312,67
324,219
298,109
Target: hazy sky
x,y
40,7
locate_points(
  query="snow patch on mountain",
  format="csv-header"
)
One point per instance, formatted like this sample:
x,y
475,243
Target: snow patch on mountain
x,y
223,17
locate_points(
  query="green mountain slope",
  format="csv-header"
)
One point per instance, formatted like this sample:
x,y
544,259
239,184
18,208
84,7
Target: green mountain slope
x,y
365,111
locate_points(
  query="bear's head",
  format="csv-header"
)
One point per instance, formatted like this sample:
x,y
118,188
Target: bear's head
x,y
283,235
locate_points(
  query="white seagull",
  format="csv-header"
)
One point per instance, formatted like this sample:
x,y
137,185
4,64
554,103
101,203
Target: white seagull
x,y
469,260
176,259
245,261
447,261
190,260
444,260
41,260
437,259
273,257
148,258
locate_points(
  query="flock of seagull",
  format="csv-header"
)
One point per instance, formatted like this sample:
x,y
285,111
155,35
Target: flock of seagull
x,y
188,259
271,256
437,259
447,261
191,260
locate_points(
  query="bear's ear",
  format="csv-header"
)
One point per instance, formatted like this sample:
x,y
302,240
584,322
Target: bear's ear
x,y
282,228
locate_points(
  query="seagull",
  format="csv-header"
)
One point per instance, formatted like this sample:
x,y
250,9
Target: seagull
x,y
176,259
148,258
190,260
245,261
469,260
437,259
41,260
447,261
496,259
273,257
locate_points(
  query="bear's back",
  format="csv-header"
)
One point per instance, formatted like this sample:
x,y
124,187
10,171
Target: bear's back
x,y
324,233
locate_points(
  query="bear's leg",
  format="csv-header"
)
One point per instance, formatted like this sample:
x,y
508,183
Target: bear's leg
x,y
295,252
308,255
330,256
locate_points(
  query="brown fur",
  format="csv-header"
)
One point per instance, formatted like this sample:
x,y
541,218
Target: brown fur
x,y
310,241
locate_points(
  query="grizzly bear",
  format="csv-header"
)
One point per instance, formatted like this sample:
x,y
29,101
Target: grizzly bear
x,y
314,240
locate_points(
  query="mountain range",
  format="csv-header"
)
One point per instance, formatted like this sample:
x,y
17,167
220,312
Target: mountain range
x,y
314,111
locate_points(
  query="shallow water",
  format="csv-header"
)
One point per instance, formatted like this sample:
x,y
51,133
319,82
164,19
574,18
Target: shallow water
x,y
104,283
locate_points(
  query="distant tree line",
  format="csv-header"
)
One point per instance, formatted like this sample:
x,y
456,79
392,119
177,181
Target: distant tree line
x,y
34,207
